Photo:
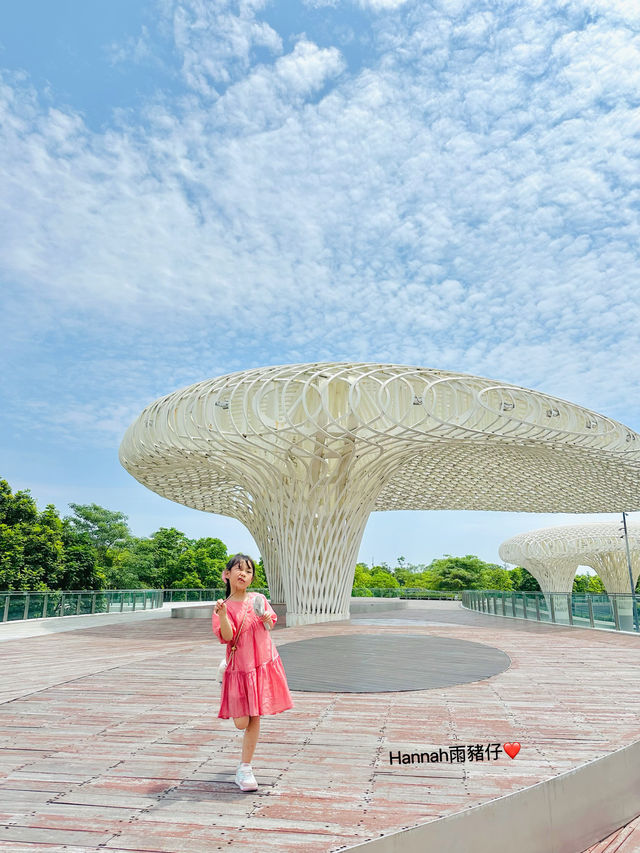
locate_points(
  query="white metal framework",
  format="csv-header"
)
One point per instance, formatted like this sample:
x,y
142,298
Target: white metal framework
x,y
302,454
552,554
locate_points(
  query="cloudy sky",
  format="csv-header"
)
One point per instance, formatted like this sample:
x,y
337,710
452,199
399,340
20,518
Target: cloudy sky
x,y
193,187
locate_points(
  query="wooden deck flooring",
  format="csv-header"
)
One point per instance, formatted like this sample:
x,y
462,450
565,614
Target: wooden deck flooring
x,y
109,736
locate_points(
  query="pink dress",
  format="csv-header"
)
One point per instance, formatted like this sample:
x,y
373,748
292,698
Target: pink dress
x,y
254,682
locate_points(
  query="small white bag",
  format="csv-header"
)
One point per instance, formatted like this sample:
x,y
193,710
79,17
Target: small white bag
x,y
221,670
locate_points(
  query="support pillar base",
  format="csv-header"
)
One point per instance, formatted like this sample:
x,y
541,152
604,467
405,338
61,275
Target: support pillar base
x,y
313,618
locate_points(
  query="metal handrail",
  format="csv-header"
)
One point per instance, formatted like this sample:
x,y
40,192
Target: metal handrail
x,y
613,611
19,605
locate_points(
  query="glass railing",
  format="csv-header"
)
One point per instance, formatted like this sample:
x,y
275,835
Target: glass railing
x,y
403,592
617,612
172,595
16,606
210,594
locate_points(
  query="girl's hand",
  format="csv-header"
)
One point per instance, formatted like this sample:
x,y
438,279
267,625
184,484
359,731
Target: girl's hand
x,y
220,607
266,621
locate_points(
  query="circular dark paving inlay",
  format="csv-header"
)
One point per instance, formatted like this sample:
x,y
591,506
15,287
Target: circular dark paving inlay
x,y
365,663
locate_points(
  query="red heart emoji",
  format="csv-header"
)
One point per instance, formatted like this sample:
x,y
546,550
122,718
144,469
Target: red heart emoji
x,y
512,749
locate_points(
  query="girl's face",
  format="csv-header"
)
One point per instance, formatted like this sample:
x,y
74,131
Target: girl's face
x,y
240,576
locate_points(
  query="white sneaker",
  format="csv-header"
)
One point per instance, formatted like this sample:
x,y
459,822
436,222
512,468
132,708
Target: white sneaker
x,y
258,606
245,780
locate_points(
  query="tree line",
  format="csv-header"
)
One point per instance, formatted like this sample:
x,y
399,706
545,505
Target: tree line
x,y
450,573
93,548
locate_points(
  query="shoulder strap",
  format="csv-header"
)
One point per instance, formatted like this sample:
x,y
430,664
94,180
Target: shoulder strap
x,y
234,641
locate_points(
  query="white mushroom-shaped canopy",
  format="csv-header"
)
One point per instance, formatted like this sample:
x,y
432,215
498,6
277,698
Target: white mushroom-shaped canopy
x,y
550,552
302,454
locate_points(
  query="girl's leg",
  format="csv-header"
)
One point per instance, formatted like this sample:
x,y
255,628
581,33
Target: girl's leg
x,y
251,726
250,739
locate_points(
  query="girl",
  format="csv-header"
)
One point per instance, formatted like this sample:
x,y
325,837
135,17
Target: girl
x,y
254,682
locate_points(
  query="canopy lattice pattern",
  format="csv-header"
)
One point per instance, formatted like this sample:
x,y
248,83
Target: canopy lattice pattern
x,y
302,454
552,554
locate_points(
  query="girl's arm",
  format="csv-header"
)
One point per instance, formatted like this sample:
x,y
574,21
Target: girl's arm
x,y
226,631
269,619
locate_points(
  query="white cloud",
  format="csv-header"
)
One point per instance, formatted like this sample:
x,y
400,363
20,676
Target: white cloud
x,y
380,5
467,200
216,40
133,49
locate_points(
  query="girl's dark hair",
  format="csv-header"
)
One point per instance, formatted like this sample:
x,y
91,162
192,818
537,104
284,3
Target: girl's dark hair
x,y
235,561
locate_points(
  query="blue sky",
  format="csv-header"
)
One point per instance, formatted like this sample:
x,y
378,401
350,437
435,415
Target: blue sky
x,y
194,187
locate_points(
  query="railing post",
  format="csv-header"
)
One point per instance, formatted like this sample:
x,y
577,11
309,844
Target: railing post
x,y
553,608
144,600
121,602
590,603
108,601
133,599
504,606
537,606
524,605
570,608
5,615
25,615
616,617
513,603
93,603
78,604
45,604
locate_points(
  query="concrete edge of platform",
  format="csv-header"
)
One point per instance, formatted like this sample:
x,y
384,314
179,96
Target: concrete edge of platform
x,y
566,814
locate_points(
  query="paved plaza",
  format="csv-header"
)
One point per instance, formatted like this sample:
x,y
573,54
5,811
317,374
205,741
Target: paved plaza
x,y
110,738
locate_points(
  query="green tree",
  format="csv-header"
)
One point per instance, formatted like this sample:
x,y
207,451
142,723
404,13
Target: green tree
x,y
260,579
206,559
31,547
188,581
454,573
580,583
12,541
523,581
596,587
362,577
589,584
168,546
383,580
103,527
497,578
18,508
79,569
413,575
130,567
423,580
